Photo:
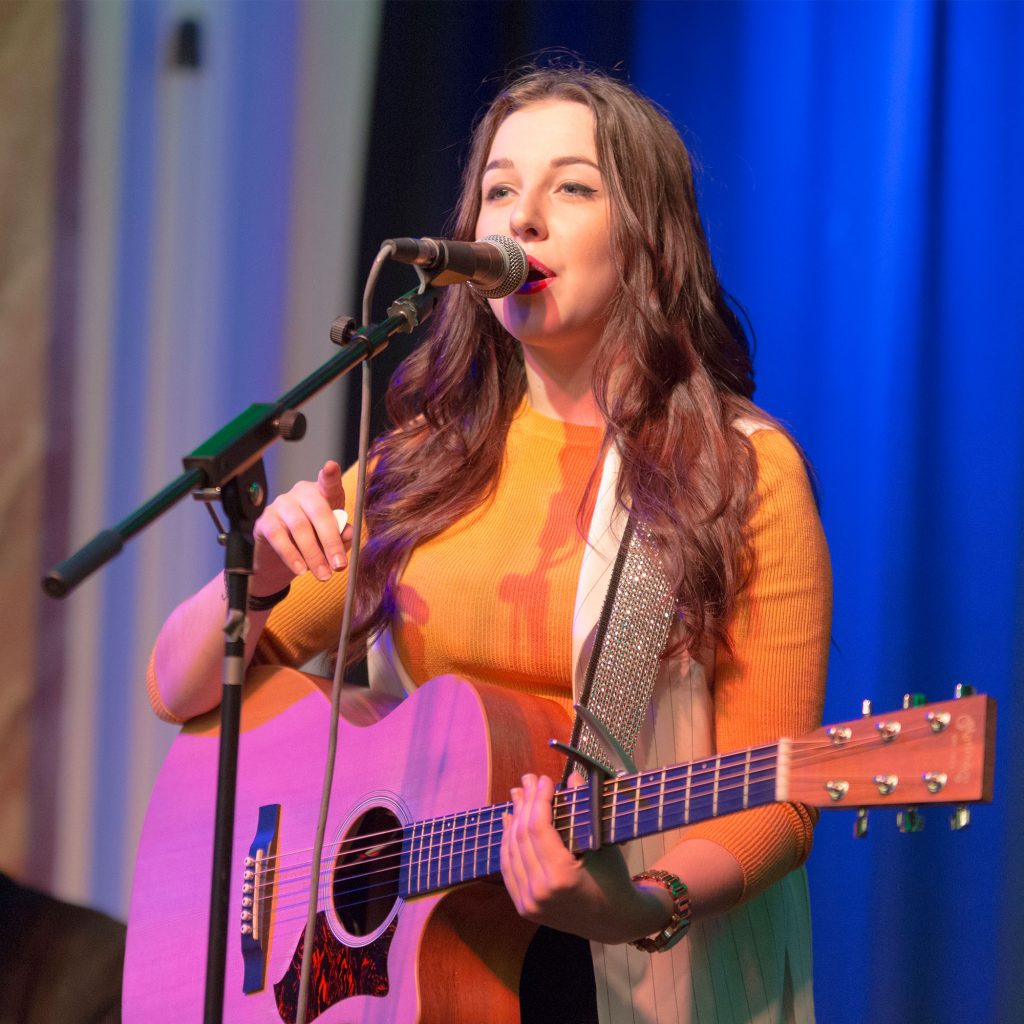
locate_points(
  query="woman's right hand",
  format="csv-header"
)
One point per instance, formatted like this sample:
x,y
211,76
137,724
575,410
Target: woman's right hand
x,y
298,531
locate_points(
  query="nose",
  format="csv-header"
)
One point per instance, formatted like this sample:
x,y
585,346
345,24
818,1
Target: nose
x,y
527,218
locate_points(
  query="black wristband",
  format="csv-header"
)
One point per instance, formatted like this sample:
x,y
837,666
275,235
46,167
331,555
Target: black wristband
x,y
267,601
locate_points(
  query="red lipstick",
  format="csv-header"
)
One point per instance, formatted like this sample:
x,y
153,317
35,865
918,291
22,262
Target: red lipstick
x,y
538,278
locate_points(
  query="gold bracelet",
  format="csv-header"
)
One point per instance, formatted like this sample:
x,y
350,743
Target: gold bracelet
x,y
680,921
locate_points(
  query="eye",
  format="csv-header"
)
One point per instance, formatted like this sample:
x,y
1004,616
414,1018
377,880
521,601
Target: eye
x,y
496,192
577,188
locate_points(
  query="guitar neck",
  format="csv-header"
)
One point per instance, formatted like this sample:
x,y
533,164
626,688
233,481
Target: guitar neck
x,y
934,753
440,852
650,802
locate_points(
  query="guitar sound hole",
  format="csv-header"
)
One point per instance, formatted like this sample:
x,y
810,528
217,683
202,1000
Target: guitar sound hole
x,y
365,884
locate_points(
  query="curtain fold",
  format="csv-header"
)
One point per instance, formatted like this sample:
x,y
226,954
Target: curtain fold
x,y
859,179
214,243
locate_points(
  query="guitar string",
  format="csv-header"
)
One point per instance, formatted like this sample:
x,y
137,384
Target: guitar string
x,y
809,753
434,843
761,767
565,810
436,868
436,883
441,861
697,777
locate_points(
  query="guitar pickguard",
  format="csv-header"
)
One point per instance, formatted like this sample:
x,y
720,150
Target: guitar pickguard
x,y
337,972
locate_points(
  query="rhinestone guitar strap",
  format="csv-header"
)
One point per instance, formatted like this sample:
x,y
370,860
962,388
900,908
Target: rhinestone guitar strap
x,y
632,632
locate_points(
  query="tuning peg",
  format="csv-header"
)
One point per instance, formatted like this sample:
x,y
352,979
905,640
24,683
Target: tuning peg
x,y
961,816
913,700
910,820
860,823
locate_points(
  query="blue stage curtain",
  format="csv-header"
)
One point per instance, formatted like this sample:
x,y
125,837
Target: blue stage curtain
x,y
861,170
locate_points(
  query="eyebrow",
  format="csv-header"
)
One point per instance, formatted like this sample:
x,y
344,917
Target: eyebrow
x,y
559,161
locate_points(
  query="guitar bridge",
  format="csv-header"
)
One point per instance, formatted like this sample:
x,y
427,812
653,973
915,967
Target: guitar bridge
x,y
258,898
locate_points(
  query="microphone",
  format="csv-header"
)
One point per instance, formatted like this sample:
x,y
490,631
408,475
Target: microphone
x,y
495,266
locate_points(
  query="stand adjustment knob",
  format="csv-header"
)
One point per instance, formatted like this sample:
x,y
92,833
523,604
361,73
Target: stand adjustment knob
x,y
291,425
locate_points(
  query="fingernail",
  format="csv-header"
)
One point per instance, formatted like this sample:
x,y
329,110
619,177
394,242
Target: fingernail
x,y
298,567
323,574
338,562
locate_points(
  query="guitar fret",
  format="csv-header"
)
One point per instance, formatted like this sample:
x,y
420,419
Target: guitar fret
x,y
417,832
587,816
428,840
447,839
636,807
746,781
469,844
626,807
453,839
409,858
425,855
480,831
611,837
485,853
714,791
404,863
762,787
458,843
445,864
480,848
470,821
448,842
453,842
686,803
434,863
437,849
442,859
424,883
494,841
481,854
480,820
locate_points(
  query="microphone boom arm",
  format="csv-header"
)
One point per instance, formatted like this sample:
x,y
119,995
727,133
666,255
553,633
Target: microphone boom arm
x,y
241,443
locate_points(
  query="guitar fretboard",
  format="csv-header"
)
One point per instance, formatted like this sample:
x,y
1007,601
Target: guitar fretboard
x,y
439,852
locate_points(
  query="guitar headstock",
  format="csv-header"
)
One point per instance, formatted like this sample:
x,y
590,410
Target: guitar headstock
x,y
942,753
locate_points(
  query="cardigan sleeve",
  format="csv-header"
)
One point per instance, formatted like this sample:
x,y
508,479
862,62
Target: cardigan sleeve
x,y
770,680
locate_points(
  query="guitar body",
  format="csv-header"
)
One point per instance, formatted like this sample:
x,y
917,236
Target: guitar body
x,y
417,801
447,957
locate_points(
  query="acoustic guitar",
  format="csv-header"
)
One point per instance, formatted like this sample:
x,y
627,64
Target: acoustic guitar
x,y
413,923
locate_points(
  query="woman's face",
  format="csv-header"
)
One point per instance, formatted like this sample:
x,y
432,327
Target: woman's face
x,y
542,186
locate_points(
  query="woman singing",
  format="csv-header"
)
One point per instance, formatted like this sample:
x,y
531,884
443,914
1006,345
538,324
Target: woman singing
x,y
615,378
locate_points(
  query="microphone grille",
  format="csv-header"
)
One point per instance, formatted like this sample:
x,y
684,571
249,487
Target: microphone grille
x,y
516,267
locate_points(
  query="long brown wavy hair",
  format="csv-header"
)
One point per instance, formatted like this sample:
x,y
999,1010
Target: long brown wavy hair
x,y
682,376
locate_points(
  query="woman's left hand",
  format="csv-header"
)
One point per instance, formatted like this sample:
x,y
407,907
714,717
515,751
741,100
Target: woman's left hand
x,y
593,895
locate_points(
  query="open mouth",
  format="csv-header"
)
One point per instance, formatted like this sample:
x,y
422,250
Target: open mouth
x,y
538,278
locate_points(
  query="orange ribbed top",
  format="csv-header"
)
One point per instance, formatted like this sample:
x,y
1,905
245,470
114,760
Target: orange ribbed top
x,y
491,599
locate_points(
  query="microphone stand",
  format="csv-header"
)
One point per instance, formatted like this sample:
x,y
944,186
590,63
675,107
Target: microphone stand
x,y
229,466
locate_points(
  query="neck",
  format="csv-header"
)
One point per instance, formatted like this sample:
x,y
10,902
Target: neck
x,y
561,391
